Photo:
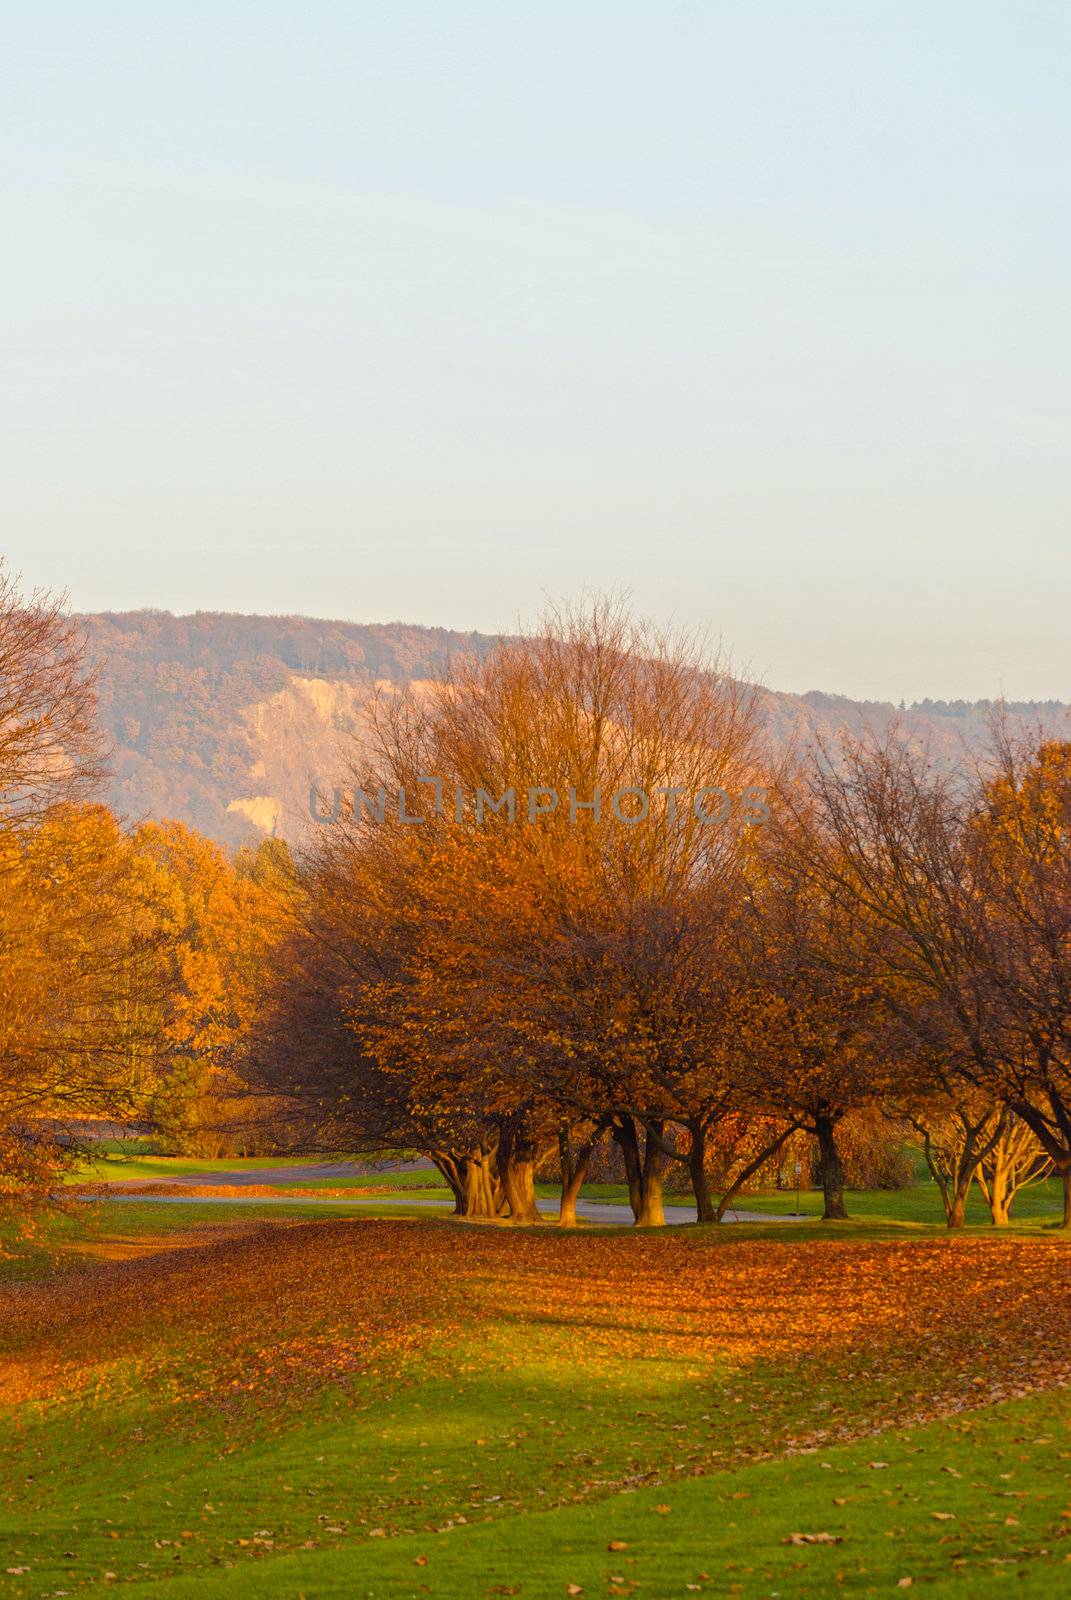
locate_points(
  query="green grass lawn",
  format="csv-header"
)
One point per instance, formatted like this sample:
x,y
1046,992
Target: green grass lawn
x,y
117,1164
198,1519
968,1508
504,1452
919,1203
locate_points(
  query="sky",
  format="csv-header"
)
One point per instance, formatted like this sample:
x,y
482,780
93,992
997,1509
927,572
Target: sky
x,y
758,313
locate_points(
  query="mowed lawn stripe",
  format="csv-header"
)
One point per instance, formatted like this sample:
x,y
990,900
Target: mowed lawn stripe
x,y
973,1506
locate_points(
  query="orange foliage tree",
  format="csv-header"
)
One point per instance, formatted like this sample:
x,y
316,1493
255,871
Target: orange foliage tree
x,y
64,933
965,887
521,974
220,925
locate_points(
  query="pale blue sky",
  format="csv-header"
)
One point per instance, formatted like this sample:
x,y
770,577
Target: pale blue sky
x,y
759,311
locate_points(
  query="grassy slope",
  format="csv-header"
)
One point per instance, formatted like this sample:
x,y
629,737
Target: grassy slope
x,y
1002,1523
140,1486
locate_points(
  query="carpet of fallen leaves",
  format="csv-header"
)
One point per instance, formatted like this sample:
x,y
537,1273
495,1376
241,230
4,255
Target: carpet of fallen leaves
x,y
933,1324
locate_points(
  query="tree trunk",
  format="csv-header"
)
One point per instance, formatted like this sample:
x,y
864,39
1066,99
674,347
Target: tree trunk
x,y
954,1191
574,1171
518,1182
516,1172
832,1168
449,1169
652,1213
1053,1133
749,1171
697,1167
624,1136
477,1191
570,1194
996,1189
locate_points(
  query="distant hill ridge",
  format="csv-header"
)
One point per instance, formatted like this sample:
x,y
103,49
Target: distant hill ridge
x,y
223,720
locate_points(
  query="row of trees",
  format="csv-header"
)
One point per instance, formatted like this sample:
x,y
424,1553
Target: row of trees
x,y
510,994
504,995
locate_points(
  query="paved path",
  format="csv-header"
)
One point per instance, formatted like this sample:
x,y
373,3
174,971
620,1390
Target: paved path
x,y
590,1210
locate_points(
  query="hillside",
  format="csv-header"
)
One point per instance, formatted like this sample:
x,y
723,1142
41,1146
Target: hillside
x,y
224,721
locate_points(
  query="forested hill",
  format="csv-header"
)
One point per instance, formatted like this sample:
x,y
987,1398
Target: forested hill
x,y
224,721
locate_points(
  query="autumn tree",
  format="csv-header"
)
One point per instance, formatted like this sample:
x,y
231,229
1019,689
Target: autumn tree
x,y
50,746
219,925
957,1134
1020,837
594,944
57,877
967,877
820,1047
76,942
534,970
343,1082
1014,1162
